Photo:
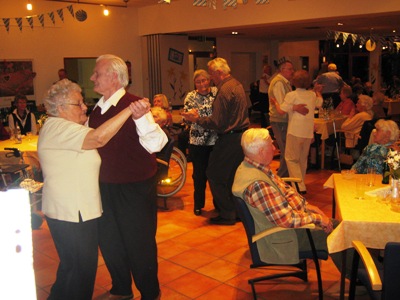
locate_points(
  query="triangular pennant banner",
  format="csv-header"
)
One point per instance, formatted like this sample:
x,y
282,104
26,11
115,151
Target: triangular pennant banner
x,y
230,3
345,36
71,10
199,2
6,22
362,39
41,19
60,14
337,34
30,21
354,38
262,1
397,46
51,15
212,3
19,23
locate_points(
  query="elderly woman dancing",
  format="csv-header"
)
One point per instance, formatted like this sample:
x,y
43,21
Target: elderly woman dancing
x,y
71,195
374,155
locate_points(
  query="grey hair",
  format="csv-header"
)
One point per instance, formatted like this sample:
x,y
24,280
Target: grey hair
x,y
367,103
200,72
219,64
388,125
58,95
254,139
118,66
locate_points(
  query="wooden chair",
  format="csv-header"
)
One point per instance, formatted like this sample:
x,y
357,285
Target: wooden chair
x,y
381,279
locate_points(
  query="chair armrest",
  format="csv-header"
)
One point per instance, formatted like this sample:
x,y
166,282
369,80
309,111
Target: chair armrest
x,y
163,162
291,179
373,275
276,229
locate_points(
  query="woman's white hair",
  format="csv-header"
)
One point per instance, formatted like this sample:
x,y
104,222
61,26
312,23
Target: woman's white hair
x,y
388,126
367,103
118,66
58,95
253,140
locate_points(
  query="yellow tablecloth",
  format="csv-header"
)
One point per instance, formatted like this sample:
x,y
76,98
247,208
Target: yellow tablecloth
x,y
367,220
28,147
325,127
393,107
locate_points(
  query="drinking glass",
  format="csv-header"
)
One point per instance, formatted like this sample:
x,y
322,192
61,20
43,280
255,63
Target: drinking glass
x,y
371,176
29,135
361,183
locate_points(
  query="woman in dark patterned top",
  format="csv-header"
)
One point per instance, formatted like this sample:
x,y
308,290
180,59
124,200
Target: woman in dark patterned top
x,y
201,141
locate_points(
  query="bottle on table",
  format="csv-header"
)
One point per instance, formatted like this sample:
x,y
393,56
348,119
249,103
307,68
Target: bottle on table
x,y
385,173
18,136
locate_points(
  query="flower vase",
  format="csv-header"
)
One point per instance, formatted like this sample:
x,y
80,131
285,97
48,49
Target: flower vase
x,y
395,197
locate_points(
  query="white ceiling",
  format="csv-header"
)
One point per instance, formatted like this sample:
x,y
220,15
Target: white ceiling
x,y
382,24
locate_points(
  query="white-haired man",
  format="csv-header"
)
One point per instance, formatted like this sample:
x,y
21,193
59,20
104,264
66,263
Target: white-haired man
x,y
258,186
127,228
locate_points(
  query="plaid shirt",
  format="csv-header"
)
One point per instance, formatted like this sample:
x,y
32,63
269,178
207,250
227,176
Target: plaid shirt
x,y
289,210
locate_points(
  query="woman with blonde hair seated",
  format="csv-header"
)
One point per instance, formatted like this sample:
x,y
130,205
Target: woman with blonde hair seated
x,y
352,126
160,100
374,155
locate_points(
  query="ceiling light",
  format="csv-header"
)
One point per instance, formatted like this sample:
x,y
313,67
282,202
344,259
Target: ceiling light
x,y
340,24
29,6
106,12
234,32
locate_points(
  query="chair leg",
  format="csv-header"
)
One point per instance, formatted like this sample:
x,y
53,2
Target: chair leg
x,y
301,274
316,262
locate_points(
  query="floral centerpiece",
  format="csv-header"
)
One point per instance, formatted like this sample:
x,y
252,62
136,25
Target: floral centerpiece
x,y
393,161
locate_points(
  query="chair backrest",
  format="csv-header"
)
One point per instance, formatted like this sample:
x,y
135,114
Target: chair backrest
x,y
391,272
163,158
365,133
248,224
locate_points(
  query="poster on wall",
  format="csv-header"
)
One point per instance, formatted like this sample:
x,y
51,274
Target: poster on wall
x,y
175,56
16,76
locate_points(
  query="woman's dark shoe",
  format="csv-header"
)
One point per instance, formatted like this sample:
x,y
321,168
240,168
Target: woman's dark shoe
x,y
197,212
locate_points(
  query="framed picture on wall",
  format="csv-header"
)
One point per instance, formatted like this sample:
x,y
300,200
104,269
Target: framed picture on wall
x,y
175,56
16,76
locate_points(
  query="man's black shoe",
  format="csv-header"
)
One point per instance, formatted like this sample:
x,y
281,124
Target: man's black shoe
x,y
222,221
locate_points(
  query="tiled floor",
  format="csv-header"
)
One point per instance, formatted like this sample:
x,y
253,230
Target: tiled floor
x,y
202,261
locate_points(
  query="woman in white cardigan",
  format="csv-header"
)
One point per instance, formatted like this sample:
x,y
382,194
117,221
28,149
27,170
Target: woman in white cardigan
x,y
352,126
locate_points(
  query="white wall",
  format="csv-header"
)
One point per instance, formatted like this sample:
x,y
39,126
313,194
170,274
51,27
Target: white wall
x,y
116,34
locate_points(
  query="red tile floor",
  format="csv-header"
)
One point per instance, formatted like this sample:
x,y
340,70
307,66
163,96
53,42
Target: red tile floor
x,y
202,261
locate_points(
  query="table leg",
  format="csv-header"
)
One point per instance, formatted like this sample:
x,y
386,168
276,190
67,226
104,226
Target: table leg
x,y
322,154
343,275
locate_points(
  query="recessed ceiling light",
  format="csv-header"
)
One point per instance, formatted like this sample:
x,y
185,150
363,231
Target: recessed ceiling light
x,y
394,30
340,24
234,32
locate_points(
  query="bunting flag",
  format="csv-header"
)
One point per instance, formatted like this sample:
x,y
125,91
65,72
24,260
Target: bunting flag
x,y
71,10
199,2
397,46
362,39
212,3
30,21
51,15
6,22
230,3
60,14
262,1
345,36
19,23
354,38
41,19
337,34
